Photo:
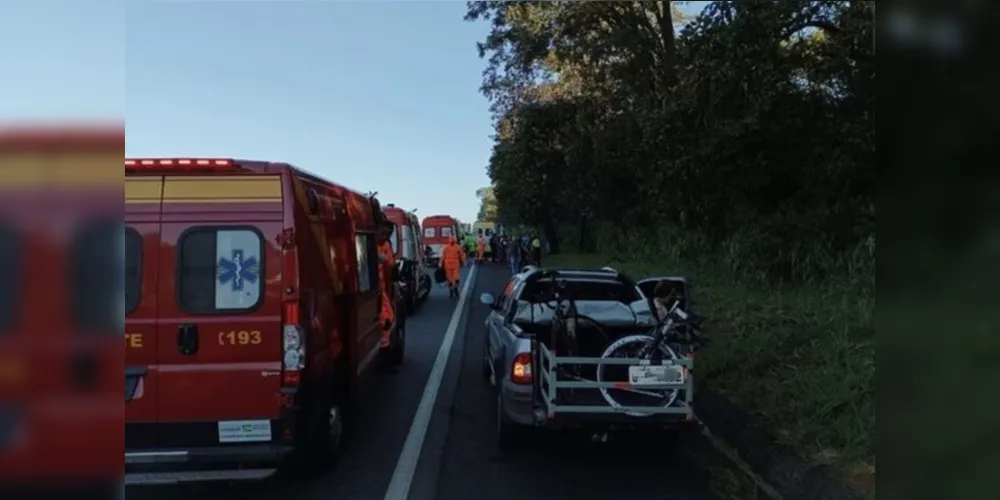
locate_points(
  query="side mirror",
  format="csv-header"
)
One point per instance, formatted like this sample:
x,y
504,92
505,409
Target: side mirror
x,y
488,299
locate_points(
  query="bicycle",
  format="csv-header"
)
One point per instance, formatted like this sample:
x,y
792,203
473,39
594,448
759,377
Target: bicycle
x,y
677,333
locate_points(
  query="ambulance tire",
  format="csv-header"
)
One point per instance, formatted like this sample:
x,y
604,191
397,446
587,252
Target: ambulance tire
x,y
318,449
397,352
411,297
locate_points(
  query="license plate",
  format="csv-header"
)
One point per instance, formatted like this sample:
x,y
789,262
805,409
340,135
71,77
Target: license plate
x,y
651,375
244,431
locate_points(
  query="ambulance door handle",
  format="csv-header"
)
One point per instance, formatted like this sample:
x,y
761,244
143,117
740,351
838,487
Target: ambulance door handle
x,y
187,339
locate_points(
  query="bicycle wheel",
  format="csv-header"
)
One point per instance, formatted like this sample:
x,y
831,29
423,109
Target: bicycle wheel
x,y
628,347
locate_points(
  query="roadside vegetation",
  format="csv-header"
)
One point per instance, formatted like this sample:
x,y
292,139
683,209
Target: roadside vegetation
x,y
736,148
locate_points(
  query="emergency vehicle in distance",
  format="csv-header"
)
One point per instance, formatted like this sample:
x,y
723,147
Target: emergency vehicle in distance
x,y
484,228
252,320
438,231
407,244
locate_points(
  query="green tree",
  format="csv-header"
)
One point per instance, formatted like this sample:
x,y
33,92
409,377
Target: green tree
x,y
754,124
487,204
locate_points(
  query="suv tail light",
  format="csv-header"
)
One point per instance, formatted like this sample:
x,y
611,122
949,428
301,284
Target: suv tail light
x,y
520,370
293,347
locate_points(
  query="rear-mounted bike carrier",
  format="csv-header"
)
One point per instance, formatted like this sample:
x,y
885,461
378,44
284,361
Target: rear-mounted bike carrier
x,y
549,385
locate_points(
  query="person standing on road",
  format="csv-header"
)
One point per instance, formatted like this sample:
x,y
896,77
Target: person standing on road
x,y
452,260
514,256
536,250
501,254
480,248
525,243
494,256
386,265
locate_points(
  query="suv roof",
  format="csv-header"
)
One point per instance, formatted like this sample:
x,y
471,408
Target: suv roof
x,y
581,274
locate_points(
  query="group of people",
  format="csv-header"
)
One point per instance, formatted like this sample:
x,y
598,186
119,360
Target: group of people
x,y
513,251
516,252
523,251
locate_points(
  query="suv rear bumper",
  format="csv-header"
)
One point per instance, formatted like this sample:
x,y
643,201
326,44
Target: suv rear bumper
x,y
220,463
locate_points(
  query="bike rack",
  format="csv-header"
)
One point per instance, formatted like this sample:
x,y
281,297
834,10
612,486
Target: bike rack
x,y
550,385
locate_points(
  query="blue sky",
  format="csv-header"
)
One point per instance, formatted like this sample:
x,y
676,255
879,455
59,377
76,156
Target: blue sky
x,y
379,96
62,59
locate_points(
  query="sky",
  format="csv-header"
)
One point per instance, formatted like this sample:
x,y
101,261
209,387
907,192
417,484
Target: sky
x,y
375,95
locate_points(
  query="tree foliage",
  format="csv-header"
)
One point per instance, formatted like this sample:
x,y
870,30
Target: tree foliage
x,y
487,205
751,128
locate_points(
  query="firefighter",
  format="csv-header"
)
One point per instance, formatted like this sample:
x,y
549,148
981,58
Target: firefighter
x,y
386,265
452,260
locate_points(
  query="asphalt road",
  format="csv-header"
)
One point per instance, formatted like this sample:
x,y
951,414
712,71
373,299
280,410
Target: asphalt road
x,y
456,459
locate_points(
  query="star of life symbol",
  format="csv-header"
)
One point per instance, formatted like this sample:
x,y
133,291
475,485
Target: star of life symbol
x,y
238,270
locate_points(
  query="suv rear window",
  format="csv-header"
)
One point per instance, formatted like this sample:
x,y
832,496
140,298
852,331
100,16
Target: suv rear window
x,y
10,276
133,269
596,290
219,270
96,276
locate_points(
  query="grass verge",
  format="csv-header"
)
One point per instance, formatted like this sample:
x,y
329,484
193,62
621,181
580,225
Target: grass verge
x,y
801,360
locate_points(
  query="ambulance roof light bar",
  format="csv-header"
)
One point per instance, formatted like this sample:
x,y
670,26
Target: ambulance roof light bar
x,y
136,164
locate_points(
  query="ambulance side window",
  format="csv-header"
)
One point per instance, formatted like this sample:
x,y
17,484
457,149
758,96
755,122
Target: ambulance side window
x,y
393,240
220,270
95,277
10,276
409,242
133,270
367,262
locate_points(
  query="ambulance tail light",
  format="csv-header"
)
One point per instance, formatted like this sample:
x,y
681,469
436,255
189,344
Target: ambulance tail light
x,y
293,347
181,165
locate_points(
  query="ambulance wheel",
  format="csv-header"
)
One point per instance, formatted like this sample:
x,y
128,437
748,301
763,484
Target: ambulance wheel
x,y
397,352
317,449
411,299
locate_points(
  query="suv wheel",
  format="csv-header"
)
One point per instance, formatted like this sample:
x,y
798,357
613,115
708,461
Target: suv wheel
x,y
510,435
487,372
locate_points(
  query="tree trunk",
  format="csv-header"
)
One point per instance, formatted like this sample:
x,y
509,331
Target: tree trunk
x,y
586,243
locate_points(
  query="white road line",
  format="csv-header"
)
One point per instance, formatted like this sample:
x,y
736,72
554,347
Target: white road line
x,y
409,457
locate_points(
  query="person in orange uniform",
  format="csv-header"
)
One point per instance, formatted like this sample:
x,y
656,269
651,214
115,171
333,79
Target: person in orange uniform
x,y
452,260
386,263
480,248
